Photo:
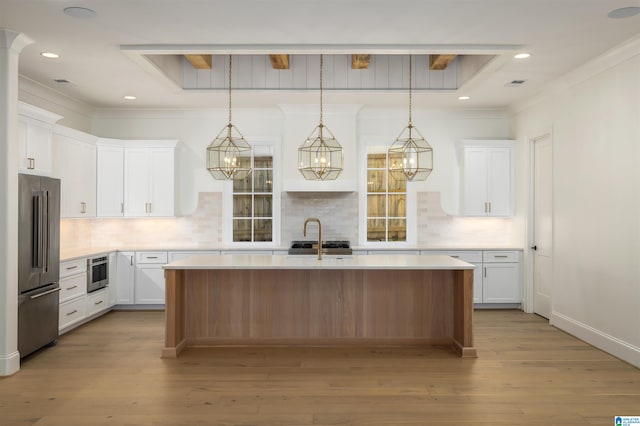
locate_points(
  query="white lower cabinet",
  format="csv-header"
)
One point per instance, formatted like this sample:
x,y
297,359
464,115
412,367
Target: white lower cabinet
x,y
496,277
96,301
501,277
149,279
76,305
126,277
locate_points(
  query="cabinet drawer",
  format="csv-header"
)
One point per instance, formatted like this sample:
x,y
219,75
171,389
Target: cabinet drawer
x,y
151,257
72,267
471,256
71,312
500,256
73,286
97,302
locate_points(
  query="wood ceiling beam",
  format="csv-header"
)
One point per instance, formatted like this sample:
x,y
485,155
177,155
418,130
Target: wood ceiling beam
x,y
440,62
200,62
279,62
360,62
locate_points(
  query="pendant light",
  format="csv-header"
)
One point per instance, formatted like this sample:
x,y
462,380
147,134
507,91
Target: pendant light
x,y
229,155
320,157
410,155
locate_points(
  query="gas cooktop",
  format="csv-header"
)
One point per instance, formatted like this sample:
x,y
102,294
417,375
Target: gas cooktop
x,y
328,247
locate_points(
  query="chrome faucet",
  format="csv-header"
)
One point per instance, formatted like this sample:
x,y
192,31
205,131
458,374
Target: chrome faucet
x,y
313,219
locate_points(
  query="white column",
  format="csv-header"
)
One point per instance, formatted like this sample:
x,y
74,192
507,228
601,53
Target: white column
x,y
11,44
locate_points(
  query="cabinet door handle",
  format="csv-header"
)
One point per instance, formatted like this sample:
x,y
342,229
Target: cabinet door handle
x,y
122,208
71,267
485,272
131,260
83,207
72,287
32,163
98,302
489,207
485,208
72,312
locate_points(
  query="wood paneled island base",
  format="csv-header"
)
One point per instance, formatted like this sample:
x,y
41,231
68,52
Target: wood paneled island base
x,y
317,306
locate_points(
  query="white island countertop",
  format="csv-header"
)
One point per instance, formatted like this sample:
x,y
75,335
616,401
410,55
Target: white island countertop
x,y
399,262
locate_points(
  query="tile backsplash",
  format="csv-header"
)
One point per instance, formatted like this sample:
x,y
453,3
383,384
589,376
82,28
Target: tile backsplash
x,y
338,213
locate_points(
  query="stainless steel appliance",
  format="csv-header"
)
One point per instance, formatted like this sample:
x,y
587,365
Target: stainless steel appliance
x,y
328,247
98,275
38,262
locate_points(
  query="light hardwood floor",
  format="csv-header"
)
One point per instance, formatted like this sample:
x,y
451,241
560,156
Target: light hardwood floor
x,y
109,372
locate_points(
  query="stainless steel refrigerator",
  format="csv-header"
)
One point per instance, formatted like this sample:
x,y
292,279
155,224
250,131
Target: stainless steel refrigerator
x,y
38,262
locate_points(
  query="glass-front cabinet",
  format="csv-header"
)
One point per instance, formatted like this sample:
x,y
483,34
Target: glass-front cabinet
x,y
253,202
386,199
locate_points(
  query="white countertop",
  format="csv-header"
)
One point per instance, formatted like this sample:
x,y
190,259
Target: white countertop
x,y
243,261
77,253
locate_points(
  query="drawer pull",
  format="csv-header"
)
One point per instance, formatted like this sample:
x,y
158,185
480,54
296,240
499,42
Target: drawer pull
x,y
456,257
98,302
152,257
72,312
72,267
502,257
71,288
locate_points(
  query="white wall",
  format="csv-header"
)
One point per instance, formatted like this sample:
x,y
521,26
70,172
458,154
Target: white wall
x,y
594,115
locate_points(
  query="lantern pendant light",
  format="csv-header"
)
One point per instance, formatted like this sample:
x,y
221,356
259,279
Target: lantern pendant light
x,y
229,155
410,155
320,157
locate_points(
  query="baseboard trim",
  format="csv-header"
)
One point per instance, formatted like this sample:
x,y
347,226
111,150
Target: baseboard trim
x,y
601,340
10,364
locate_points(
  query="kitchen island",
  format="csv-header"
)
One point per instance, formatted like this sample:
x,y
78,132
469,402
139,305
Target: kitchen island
x,y
299,300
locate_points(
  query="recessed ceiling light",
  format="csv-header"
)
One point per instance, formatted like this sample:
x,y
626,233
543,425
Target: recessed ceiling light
x,y
464,98
522,55
624,12
50,55
79,12
130,97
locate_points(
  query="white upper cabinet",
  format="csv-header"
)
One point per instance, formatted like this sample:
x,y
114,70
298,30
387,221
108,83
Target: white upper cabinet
x,y
74,155
136,178
488,177
35,130
110,180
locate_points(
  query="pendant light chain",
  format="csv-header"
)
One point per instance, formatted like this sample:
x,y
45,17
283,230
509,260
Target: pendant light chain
x,y
410,92
321,63
229,90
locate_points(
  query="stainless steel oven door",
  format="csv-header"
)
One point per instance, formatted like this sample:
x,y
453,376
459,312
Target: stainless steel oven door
x,y
98,273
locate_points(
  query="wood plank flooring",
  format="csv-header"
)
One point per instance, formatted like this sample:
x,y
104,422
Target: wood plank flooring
x,y
109,372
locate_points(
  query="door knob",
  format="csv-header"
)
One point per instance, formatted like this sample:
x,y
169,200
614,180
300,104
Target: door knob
x,y
534,248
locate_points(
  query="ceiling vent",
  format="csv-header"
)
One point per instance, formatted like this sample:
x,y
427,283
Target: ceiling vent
x,y
515,83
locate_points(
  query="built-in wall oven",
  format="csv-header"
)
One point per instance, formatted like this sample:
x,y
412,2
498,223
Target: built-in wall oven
x,y
97,273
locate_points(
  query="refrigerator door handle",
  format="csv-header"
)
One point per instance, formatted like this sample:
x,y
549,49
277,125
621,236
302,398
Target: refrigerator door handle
x,y
35,296
38,249
45,232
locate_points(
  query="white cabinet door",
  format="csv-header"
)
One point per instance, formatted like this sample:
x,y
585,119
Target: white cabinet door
x,y
499,182
501,283
112,288
34,139
75,165
136,178
149,284
161,182
110,181
125,278
488,178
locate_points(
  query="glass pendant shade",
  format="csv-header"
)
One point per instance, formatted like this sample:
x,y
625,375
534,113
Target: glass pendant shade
x,y
229,155
320,156
410,156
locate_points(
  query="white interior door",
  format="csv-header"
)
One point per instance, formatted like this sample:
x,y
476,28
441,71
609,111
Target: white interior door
x,y
543,227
